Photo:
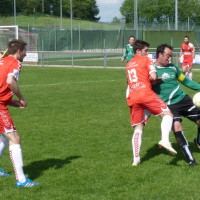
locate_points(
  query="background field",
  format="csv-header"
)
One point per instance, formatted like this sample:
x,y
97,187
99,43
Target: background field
x,y
76,140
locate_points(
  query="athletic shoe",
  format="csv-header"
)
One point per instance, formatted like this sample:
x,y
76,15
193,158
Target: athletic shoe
x,y
2,173
195,141
27,183
192,163
167,146
136,163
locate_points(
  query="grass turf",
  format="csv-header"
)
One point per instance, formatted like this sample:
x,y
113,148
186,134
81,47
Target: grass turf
x,y
76,141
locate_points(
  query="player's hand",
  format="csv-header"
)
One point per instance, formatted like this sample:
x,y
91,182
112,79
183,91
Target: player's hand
x,y
122,59
14,103
158,80
23,103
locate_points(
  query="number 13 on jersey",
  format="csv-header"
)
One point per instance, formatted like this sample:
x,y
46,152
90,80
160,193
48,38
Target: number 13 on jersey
x,y
132,74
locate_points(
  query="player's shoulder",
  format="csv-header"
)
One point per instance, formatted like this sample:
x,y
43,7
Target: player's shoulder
x,y
10,60
182,44
191,45
173,67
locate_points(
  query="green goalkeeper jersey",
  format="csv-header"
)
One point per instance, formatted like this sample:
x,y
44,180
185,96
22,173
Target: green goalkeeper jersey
x,y
128,54
169,89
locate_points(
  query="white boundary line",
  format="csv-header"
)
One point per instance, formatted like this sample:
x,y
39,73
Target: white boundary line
x,y
69,83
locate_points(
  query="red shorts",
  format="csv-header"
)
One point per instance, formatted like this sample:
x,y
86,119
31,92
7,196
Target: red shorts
x,y
6,123
188,62
153,104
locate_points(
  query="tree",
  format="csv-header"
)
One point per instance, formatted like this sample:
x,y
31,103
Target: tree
x,y
116,20
82,9
159,10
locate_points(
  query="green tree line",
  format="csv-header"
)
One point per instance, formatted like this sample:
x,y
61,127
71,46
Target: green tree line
x,y
160,11
82,9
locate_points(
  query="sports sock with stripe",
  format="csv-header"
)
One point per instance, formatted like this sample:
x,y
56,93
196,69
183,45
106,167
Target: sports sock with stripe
x,y
17,161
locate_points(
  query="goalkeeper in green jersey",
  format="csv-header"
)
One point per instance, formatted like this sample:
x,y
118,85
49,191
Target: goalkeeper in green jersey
x,y
174,96
128,54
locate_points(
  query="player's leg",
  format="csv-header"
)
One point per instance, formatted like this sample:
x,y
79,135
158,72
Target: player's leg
x,y
136,144
190,73
184,69
166,126
17,160
184,108
3,145
14,147
158,107
182,142
197,139
137,121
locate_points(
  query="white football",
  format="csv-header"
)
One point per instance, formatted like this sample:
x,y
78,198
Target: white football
x,y
196,99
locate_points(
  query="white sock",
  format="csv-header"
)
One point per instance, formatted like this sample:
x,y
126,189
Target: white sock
x,y
190,75
3,145
136,144
166,126
17,161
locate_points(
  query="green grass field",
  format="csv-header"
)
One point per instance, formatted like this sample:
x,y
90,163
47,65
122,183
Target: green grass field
x,y
76,141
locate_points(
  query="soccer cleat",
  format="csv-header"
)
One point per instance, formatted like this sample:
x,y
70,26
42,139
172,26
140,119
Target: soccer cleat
x,y
167,146
27,183
195,141
2,173
136,163
192,163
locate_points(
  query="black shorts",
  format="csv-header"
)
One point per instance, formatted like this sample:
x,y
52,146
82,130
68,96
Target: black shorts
x,y
185,108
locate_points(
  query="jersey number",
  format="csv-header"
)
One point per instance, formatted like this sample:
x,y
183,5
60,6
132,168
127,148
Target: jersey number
x,y
132,74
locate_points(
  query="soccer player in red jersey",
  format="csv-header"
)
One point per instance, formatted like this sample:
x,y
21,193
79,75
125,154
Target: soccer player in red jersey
x,y
10,68
140,97
187,51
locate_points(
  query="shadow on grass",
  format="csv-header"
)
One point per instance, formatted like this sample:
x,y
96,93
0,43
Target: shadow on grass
x,y
156,151
153,152
36,168
193,148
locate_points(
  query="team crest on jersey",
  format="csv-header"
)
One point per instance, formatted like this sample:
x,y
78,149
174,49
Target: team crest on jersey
x,y
132,64
165,76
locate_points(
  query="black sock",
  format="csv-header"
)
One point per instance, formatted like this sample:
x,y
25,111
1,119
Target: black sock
x,y
182,142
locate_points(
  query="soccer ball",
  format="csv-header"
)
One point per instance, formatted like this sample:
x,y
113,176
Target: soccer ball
x,y
196,99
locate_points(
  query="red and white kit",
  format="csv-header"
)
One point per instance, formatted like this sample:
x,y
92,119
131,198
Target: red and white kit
x,y
8,66
140,95
187,50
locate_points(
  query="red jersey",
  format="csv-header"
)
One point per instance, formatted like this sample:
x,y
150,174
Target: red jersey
x,y
138,70
8,65
140,95
187,49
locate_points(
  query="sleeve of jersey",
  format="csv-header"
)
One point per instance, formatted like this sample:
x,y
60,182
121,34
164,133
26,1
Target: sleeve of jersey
x,y
15,70
188,83
125,53
150,65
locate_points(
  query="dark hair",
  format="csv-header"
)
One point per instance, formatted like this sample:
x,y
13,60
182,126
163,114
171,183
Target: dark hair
x,y
139,44
15,45
161,49
131,36
186,37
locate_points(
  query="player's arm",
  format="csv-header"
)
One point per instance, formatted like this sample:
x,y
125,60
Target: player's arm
x,y
188,83
153,76
181,53
193,54
124,55
12,84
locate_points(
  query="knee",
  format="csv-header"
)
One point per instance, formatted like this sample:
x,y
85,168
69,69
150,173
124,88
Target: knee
x,y
177,126
13,138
